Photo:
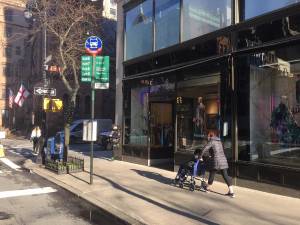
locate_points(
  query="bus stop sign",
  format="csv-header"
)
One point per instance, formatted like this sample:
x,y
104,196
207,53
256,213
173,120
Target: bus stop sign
x,y
93,45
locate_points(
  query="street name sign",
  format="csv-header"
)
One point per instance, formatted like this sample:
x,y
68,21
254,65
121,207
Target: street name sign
x,y
44,91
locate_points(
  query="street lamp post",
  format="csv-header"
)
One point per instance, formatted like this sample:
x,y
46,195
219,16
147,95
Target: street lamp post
x,y
29,17
45,54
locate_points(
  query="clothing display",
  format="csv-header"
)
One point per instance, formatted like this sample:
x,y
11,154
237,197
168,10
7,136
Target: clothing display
x,y
285,126
199,119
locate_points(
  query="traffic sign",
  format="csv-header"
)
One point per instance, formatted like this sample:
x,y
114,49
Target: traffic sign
x,y
86,68
101,85
93,45
54,69
48,59
52,105
44,91
101,70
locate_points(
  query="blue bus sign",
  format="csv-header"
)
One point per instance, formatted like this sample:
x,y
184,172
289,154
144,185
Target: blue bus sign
x,y
93,45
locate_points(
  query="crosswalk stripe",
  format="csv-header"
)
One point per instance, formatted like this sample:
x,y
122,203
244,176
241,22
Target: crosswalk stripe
x,y
27,192
10,163
21,146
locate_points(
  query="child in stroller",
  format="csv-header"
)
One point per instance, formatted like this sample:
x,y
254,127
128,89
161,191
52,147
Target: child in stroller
x,y
189,170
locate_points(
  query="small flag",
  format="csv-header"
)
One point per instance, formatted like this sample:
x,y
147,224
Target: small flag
x,y
11,98
21,96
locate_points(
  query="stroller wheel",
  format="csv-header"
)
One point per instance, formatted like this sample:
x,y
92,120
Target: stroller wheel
x,y
192,187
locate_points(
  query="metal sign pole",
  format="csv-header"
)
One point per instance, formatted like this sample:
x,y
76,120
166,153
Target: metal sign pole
x,y
93,46
92,117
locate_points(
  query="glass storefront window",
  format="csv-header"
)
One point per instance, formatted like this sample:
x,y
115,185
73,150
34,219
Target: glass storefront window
x,y
166,12
198,111
203,106
204,16
139,30
161,98
269,106
136,113
254,8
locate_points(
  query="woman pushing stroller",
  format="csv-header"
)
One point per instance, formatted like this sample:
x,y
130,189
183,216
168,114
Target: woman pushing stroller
x,y
217,162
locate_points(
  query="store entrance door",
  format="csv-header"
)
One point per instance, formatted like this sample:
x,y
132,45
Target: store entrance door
x,y
161,135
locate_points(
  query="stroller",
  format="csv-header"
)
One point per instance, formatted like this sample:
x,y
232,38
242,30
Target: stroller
x,y
187,173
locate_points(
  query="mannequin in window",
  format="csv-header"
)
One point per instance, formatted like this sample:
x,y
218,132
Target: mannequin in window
x,y
199,119
284,124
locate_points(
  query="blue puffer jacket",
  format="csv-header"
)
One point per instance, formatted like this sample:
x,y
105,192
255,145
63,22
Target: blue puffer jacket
x,y
217,160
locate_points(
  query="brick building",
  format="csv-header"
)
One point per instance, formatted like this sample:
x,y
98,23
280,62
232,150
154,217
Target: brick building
x,y
13,54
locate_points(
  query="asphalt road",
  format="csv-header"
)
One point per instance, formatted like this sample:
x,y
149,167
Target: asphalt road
x,y
27,199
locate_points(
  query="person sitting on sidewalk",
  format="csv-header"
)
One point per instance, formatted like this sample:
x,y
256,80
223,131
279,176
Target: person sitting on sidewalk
x,y
35,135
217,162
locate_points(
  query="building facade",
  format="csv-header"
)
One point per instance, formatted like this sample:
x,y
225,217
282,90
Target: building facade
x,y
14,69
187,68
110,9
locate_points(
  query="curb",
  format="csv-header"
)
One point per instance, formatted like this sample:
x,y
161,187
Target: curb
x,y
115,215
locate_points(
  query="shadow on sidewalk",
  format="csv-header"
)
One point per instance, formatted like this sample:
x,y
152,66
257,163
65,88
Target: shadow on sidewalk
x,y
154,176
98,151
142,197
79,178
158,177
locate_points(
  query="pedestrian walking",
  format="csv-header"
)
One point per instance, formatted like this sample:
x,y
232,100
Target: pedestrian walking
x,y
217,162
34,137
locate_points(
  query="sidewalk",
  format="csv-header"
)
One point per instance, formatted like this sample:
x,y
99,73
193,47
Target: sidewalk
x,y
143,195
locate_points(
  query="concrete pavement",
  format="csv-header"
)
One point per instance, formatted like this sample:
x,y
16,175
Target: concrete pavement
x,y
144,195
28,199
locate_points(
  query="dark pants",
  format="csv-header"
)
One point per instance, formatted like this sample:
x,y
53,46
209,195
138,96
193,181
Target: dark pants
x,y
35,144
42,144
225,176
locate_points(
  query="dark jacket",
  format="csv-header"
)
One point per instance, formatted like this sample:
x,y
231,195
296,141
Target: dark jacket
x,y
217,159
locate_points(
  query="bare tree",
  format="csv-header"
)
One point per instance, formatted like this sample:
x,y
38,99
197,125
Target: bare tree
x,y
68,23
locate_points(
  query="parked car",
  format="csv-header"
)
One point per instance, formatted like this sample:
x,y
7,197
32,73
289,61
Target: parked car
x,y
76,129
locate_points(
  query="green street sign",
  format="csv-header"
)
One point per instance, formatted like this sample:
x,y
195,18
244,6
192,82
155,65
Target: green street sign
x,y
101,70
86,68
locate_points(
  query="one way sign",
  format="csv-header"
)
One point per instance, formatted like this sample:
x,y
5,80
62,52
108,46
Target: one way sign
x,y
44,91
